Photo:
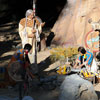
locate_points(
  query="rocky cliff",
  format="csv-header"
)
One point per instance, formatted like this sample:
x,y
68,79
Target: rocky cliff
x,y
73,24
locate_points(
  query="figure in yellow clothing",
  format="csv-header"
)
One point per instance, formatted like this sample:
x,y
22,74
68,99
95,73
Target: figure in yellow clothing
x,y
29,31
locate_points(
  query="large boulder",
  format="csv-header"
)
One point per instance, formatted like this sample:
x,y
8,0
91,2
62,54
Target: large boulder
x,y
76,88
72,25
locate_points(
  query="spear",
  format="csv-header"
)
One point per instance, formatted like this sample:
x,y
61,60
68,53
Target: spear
x,y
34,7
34,25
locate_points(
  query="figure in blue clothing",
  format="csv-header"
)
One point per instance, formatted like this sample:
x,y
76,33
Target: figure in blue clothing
x,y
85,59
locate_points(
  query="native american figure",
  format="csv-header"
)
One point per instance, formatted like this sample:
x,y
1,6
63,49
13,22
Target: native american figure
x,y
30,29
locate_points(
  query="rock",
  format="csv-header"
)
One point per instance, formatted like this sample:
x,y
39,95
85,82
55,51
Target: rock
x,y
76,88
48,79
72,25
8,98
27,98
4,98
60,79
34,68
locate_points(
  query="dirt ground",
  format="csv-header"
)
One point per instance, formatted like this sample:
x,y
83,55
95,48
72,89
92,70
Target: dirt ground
x,y
9,42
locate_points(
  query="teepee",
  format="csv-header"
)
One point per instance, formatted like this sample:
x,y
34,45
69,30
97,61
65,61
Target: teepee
x,y
74,26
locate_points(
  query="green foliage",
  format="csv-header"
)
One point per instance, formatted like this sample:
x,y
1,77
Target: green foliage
x,y
61,53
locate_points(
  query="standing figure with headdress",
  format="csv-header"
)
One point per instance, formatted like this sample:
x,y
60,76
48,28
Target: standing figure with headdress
x,y
30,29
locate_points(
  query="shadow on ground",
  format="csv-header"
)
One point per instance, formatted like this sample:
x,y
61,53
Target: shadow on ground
x,y
44,64
9,37
98,94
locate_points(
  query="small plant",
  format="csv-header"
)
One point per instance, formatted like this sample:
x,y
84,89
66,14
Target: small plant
x,y
62,53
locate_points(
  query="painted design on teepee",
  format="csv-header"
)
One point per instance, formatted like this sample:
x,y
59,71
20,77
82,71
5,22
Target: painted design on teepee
x,y
92,37
92,40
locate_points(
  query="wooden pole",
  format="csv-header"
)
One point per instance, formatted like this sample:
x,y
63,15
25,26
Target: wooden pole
x,y
35,26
